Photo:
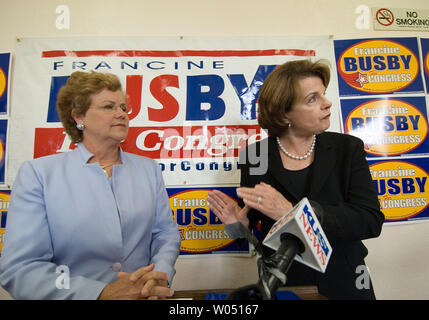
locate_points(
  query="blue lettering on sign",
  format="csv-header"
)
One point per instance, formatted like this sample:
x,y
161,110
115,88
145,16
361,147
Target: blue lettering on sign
x,y
102,64
184,217
158,65
56,84
248,95
350,64
406,61
357,123
408,186
395,186
214,106
311,220
421,182
3,219
386,123
203,97
186,165
401,123
414,121
199,216
379,63
393,63
213,218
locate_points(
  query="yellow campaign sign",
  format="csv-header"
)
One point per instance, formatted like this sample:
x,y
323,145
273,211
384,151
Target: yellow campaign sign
x,y
387,126
201,231
426,66
4,206
1,150
2,82
401,188
378,66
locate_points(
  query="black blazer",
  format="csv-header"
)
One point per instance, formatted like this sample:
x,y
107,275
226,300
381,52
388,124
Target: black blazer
x,y
340,188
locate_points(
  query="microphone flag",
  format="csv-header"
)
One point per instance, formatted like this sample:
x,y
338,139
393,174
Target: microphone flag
x,y
302,222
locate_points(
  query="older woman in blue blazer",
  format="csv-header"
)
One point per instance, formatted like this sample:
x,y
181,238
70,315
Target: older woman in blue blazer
x,y
95,222
302,160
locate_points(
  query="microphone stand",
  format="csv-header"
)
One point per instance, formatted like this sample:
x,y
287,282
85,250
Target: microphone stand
x,y
272,271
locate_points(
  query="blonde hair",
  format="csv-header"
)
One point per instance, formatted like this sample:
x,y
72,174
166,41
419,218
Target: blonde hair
x,y
75,97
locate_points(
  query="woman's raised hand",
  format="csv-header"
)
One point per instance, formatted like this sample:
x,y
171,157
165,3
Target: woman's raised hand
x,y
226,209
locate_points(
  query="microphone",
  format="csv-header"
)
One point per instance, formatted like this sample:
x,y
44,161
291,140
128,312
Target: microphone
x,y
298,235
279,264
302,223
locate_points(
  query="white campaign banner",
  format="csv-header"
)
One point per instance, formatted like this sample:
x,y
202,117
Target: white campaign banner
x,y
192,101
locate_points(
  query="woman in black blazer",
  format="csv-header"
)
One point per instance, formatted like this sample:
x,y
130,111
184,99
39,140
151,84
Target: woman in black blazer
x,y
330,169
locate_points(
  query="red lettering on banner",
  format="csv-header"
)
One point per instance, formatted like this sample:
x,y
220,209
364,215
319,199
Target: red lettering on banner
x,y
134,95
190,141
158,90
164,142
170,105
49,141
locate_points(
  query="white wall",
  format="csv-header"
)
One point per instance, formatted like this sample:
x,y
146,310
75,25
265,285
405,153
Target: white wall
x,y
398,259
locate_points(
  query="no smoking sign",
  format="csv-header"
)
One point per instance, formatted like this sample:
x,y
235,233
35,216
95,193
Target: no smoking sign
x,y
410,19
384,17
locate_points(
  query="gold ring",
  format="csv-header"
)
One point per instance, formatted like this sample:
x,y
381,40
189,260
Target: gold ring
x,y
259,200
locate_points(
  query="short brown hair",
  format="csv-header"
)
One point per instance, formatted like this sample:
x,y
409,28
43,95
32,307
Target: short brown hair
x,y
75,97
280,91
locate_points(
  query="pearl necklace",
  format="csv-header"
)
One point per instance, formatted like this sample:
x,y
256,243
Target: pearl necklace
x,y
298,157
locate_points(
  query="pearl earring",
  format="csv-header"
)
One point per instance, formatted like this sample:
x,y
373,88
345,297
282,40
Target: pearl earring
x,y
80,126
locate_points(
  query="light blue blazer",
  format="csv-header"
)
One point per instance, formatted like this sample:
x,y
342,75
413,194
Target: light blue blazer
x,y
65,215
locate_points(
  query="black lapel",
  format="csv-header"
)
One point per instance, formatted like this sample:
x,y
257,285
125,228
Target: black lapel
x,y
325,159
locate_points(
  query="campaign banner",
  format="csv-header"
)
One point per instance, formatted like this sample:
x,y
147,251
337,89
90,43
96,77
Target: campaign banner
x,y
4,206
4,82
191,100
3,137
378,66
200,229
388,126
425,58
402,188
192,104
